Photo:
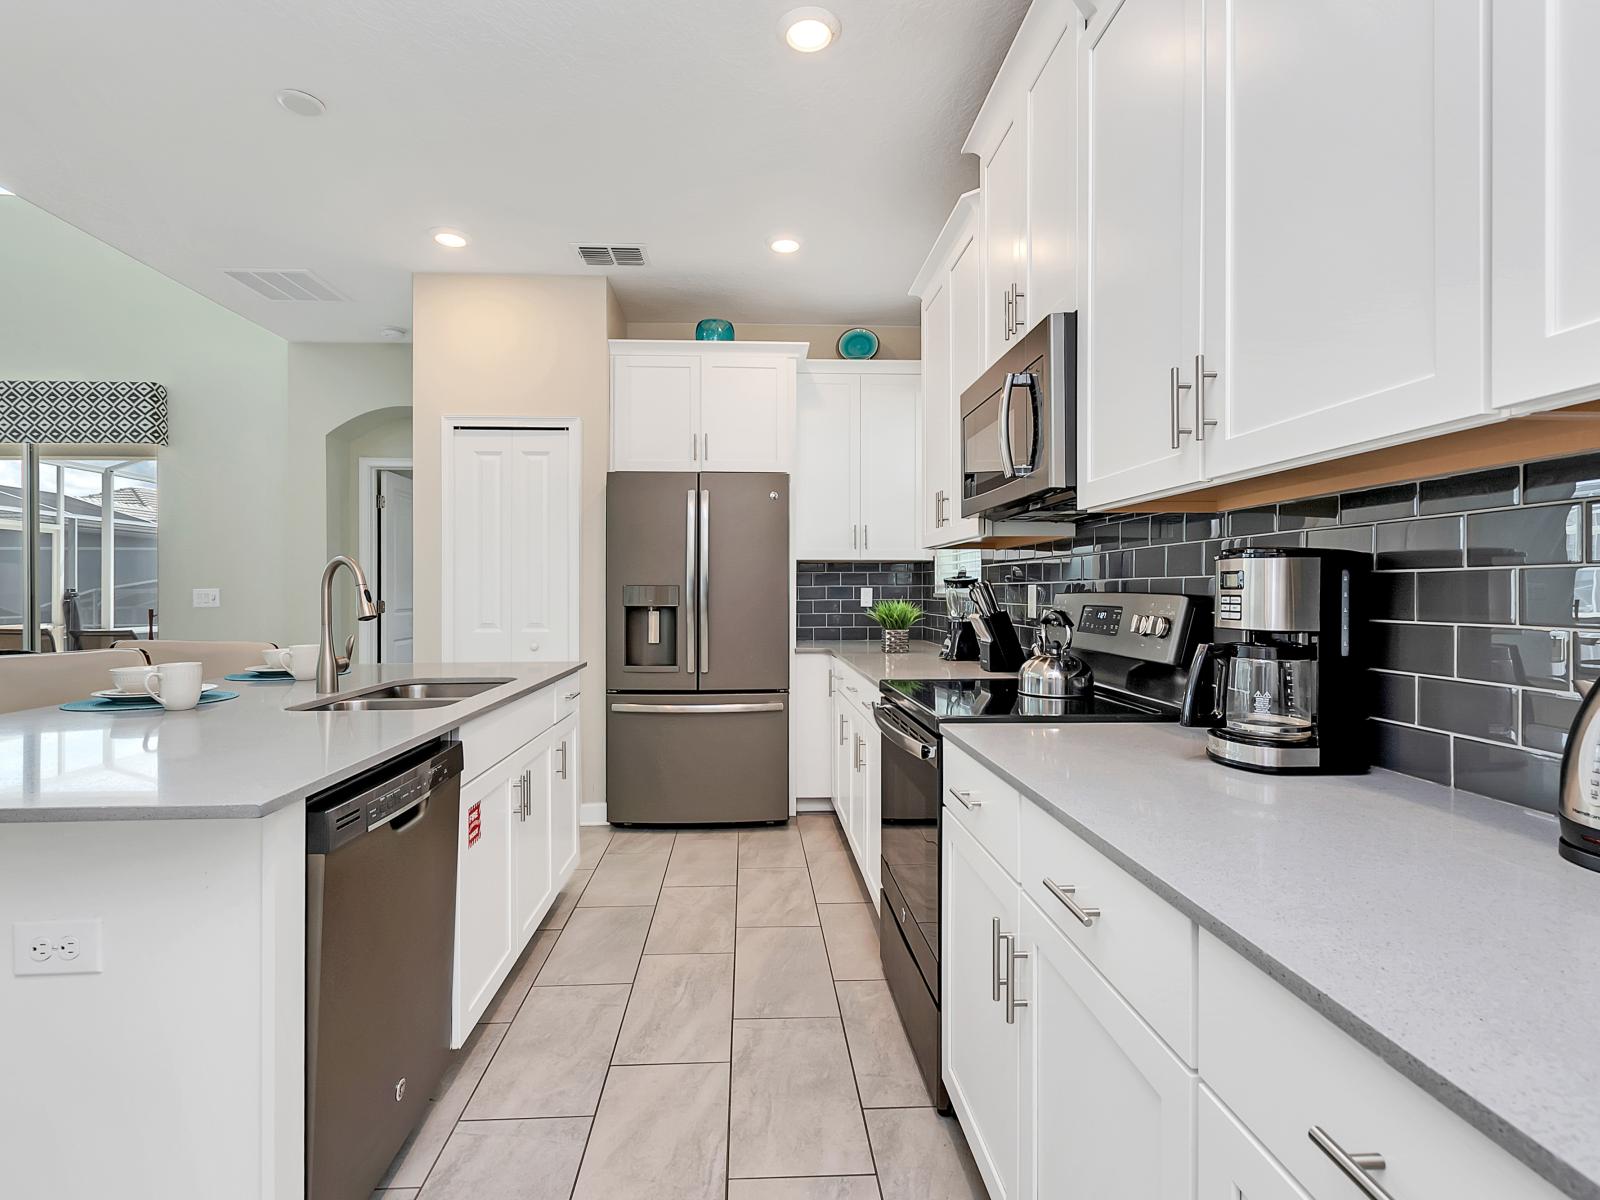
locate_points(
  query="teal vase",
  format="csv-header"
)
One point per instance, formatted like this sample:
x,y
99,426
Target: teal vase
x,y
858,343
714,329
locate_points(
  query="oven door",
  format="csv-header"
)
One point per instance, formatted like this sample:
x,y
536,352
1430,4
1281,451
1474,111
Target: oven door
x,y
909,844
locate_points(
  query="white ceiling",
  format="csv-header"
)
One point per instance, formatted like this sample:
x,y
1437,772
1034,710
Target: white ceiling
x,y
531,124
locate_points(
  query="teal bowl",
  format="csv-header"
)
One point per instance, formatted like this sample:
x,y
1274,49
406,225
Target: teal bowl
x,y
858,343
714,329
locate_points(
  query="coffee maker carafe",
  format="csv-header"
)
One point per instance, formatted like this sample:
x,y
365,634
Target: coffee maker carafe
x,y
1283,687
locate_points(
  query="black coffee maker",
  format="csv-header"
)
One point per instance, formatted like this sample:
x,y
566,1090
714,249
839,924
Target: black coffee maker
x,y
1283,686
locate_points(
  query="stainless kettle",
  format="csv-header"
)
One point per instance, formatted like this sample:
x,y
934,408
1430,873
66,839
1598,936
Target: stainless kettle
x,y
1053,671
1580,794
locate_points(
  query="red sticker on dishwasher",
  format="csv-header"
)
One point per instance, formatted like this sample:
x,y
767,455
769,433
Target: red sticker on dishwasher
x,y
474,824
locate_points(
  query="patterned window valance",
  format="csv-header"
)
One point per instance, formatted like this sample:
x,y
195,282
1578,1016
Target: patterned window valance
x,y
82,412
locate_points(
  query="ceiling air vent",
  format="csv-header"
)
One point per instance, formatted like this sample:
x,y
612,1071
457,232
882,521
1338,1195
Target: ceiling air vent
x,y
596,254
294,284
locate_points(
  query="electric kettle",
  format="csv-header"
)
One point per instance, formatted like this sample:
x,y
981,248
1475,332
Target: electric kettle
x,y
1053,672
1580,785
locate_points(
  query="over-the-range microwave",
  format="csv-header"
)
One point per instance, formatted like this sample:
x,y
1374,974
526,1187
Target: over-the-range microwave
x,y
1019,427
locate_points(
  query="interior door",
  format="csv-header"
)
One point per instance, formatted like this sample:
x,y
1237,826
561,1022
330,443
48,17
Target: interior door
x,y
533,786
1139,105
826,466
480,524
745,414
540,547
655,412
652,524
1344,289
889,466
745,575
397,621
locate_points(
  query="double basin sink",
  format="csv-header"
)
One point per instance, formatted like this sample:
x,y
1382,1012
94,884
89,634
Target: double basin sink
x,y
395,697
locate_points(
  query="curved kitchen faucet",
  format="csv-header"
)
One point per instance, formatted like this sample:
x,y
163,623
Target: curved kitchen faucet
x,y
327,660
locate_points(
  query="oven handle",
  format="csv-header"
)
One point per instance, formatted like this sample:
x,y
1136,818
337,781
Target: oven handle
x,y
896,736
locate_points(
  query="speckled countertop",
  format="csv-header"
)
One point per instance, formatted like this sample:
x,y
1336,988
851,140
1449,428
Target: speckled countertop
x,y
922,661
1465,951
241,758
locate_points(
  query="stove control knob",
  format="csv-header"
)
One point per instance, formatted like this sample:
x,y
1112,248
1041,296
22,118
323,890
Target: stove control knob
x,y
1163,626
1142,624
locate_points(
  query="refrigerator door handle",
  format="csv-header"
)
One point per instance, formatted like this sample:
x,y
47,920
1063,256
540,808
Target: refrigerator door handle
x,y
704,602
689,580
694,710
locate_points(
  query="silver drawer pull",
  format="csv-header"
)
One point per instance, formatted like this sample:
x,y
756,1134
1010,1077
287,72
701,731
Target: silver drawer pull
x,y
994,959
969,803
1086,916
1012,955
1355,1166
572,695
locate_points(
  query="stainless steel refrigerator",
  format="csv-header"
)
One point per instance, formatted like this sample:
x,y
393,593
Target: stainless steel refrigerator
x,y
697,647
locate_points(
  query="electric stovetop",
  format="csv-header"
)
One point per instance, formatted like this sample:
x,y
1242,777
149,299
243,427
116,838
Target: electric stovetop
x,y
934,701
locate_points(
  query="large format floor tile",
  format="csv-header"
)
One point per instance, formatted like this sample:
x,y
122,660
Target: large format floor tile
x,y
782,973
566,901
794,1107
922,1156
599,945
592,843
831,1187
509,1160
886,1070
681,1010
851,931
661,1134
693,920
771,848
776,896
706,859
552,1061
625,879
641,841
515,989
833,877
416,1158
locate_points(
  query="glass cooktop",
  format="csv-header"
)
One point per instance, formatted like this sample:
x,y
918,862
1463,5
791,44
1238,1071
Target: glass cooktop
x,y
936,700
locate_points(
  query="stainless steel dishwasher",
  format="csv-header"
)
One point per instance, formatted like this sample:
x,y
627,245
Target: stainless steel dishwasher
x,y
380,946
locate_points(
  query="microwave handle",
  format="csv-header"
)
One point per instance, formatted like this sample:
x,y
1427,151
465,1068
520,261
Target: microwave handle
x,y
1016,379
1008,468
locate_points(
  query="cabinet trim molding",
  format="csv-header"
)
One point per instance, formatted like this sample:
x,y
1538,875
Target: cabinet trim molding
x,y
955,230
1030,50
624,346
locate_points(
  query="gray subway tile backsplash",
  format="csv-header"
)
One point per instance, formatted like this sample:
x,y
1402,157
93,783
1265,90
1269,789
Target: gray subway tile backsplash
x,y
1392,503
1427,542
828,599
1507,773
1561,479
1466,493
1476,709
1550,533
1535,658
1482,597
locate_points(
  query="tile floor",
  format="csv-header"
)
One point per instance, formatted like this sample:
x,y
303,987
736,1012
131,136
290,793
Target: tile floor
x,y
702,1016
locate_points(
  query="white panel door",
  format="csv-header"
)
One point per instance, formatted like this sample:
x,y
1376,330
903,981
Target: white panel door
x,y
1233,1165
1005,233
532,789
480,525
745,414
1052,283
1546,269
1139,179
1107,1109
981,1069
484,949
538,551
939,495
1344,160
825,468
888,486
655,412
395,585
564,801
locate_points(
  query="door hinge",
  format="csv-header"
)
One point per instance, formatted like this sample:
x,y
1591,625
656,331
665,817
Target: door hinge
x,y
383,501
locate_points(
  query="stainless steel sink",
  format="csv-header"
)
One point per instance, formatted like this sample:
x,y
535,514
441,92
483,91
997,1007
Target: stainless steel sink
x,y
406,694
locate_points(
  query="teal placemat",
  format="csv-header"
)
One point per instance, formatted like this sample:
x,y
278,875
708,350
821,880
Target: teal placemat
x,y
100,704
260,677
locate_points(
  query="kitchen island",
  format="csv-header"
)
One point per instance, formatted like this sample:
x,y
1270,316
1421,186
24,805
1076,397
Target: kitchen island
x,y
177,1068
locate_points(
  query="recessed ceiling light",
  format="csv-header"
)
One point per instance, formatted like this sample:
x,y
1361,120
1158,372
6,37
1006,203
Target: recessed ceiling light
x,y
809,29
391,333
784,245
301,104
451,239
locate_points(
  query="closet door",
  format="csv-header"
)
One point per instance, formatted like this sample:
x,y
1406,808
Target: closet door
x,y
538,550
479,583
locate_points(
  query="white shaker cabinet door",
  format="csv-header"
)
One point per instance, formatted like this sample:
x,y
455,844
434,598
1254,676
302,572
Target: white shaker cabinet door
x,y
538,551
565,799
826,468
1546,243
655,412
1233,1165
1345,227
746,414
888,480
939,495
484,949
1139,181
1005,234
1052,283
532,789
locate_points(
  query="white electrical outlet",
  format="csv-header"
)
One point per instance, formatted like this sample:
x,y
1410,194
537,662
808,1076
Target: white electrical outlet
x,y
208,597
866,597
56,947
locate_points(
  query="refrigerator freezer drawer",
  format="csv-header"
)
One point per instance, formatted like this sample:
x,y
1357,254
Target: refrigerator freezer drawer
x,y
697,758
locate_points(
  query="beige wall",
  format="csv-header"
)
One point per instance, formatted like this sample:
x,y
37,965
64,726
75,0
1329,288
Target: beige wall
x,y
894,341
494,345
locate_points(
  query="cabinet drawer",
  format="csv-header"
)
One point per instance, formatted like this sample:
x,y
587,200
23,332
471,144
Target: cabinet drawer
x,y
1283,1068
1144,946
568,693
985,805
487,739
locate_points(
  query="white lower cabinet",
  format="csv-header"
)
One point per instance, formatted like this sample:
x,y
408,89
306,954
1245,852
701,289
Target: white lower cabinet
x,y
1232,1164
483,897
855,759
532,787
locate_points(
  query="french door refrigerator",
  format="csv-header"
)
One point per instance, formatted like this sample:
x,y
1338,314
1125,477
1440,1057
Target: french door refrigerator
x,y
697,647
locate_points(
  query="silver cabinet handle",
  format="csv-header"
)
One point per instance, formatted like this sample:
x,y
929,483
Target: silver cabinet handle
x,y
1016,309
830,683
705,583
841,731
866,539
1355,1166
860,745
1201,423
1177,387
522,785
1086,916
1008,314
994,959
853,532
705,447
573,695
689,594
1012,955
966,799
563,768
694,448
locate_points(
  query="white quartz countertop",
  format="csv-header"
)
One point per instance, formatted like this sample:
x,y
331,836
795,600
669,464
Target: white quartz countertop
x,y
922,661
240,758
1439,928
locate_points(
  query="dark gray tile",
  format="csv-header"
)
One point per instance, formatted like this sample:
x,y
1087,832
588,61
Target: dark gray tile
x,y
1546,720
1479,596
1462,493
1434,542
1245,522
1292,541
1197,526
1119,564
1513,536
1394,595
1135,532
1166,528
1525,657
1562,479
1394,697
1412,751
1357,538
1378,504
1202,585
1150,561
1425,649
1477,709
1309,514
1586,656
1187,558
1560,595
1507,773
1594,533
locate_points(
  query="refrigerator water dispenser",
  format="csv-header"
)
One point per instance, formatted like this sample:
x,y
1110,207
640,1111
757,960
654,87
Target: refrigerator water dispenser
x,y
650,627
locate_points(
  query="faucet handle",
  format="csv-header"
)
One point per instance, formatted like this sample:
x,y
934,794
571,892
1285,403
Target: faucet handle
x,y
342,661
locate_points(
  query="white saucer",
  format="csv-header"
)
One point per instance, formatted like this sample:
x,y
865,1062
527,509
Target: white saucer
x,y
263,669
118,694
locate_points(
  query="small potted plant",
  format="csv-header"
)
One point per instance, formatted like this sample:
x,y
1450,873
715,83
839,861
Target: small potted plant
x,y
897,617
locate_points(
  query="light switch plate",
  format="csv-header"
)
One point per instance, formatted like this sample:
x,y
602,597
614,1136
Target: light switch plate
x,y
866,597
56,947
208,597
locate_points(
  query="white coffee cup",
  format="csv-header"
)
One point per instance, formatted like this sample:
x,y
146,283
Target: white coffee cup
x,y
302,660
275,659
175,685
130,679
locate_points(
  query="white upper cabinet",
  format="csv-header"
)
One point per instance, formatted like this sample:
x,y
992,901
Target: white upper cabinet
x,y
1052,245
702,406
1139,88
1344,227
938,425
1546,267
855,471
1005,230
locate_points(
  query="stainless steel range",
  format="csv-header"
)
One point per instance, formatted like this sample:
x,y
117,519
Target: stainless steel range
x,y
1137,646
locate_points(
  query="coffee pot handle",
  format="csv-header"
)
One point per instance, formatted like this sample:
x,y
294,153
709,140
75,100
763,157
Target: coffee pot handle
x,y
1202,699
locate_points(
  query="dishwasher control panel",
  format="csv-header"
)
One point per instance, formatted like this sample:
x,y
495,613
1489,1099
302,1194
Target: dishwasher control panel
x,y
377,797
